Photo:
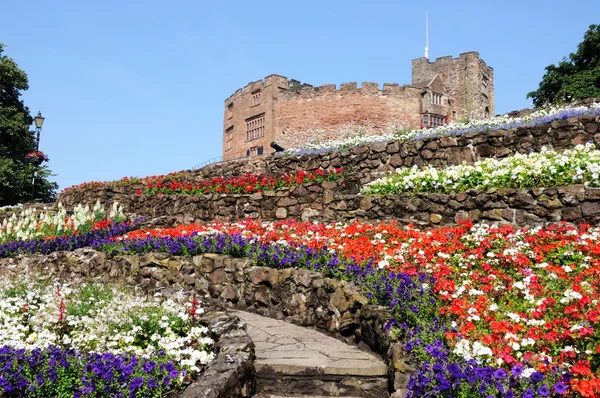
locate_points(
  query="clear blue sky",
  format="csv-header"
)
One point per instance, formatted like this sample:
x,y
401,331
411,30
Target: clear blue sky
x,y
136,88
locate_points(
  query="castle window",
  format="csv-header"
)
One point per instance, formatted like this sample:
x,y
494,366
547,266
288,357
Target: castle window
x,y
255,97
229,111
255,127
436,99
228,138
252,151
433,121
484,82
487,112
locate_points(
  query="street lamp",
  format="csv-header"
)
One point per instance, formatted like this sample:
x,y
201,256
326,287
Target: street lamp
x,y
39,122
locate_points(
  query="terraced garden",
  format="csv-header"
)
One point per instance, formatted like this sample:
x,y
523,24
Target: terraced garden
x,y
473,309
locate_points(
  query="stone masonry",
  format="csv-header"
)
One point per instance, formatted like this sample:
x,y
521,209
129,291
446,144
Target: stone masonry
x,y
302,297
331,201
292,113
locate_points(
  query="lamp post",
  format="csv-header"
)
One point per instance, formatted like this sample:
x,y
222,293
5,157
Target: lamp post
x,y
39,122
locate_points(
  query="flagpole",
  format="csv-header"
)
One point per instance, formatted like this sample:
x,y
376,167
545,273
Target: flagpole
x,y
426,33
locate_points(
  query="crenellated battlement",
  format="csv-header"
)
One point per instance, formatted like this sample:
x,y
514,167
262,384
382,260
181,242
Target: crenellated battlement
x,y
445,60
307,91
290,88
270,80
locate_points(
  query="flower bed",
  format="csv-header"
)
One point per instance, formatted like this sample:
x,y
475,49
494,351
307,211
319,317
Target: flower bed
x,y
454,129
96,340
544,169
129,181
33,225
248,183
45,245
487,311
177,183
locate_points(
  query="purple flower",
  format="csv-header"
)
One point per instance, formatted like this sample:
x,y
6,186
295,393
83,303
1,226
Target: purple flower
x,y
543,390
560,388
500,374
517,370
148,366
529,393
536,377
136,383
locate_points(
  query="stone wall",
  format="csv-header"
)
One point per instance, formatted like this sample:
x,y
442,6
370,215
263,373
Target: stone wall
x,y
322,202
231,374
302,297
363,164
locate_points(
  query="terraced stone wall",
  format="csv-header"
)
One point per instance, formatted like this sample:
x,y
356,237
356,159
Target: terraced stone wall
x,y
363,164
324,202
303,297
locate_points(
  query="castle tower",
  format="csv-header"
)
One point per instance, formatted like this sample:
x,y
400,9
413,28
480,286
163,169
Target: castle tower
x,y
468,83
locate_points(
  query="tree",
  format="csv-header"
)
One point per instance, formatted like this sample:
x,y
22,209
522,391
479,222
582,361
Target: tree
x,y
575,78
16,140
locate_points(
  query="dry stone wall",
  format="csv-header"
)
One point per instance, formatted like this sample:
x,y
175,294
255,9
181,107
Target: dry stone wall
x,y
363,164
323,202
303,297
339,201
230,375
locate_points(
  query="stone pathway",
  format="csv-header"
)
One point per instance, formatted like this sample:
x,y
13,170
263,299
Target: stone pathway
x,y
297,361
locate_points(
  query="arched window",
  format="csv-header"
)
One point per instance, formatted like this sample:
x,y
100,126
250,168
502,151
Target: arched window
x,y
487,112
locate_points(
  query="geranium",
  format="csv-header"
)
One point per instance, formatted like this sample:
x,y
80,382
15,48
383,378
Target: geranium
x,y
513,306
182,183
36,158
245,184
128,181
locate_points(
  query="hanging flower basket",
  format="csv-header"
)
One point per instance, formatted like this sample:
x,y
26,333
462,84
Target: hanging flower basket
x,y
36,158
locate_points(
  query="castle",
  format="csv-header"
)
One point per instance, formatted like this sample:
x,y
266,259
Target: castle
x,y
291,113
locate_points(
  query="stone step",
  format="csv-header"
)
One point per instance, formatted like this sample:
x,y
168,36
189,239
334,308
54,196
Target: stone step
x,y
298,361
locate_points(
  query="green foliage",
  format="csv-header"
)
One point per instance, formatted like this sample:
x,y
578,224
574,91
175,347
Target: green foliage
x,y
16,140
575,78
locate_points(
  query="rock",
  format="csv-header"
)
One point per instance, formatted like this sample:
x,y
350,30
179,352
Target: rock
x,y
263,275
435,218
461,196
302,277
446,142
309,214
262,297
396,160
592,193
570,213
366,203
281,212
590,208
427,154
338,300
521,200
217,277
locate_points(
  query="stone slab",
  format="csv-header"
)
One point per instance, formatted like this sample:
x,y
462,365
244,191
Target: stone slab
x,y
286,349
